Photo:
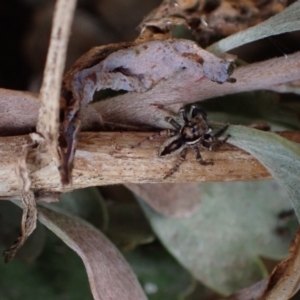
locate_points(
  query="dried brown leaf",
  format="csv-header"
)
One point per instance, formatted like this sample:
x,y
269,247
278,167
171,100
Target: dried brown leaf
x,y
172,200
146,108
109,274
141,67
283,283
28,224
207,20
186,87
250,293
135,67
29,216
30,159
73,103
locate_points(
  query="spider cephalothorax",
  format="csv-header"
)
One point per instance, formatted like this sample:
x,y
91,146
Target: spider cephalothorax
x,y
194,133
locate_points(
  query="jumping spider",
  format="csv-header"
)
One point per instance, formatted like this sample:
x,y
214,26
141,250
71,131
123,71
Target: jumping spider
x,y
193,134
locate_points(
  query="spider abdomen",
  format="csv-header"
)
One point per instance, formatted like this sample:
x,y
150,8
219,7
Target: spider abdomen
x,y
172,146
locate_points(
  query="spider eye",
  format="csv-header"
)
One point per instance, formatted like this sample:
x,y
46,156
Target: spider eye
x,y
196,110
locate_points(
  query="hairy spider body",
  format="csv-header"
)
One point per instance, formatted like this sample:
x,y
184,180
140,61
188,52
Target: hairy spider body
x,y
194,133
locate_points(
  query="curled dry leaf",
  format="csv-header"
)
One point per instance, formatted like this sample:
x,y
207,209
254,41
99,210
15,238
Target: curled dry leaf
x,y
31,158
140,67
72,104
250,293
185,87
29,216
284,281
282,284
28,224
9,224
169,199
208,20
146,108
109,274
47,124
135,67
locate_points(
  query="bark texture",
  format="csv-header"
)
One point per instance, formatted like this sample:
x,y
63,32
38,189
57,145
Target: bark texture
x,y
106,158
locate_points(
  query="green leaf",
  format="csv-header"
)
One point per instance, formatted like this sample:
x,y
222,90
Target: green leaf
x,y
58,273
128,226
159,273
280,156
286,21
247,108
221,243
87,204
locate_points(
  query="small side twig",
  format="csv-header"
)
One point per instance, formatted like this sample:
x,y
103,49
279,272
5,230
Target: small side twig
x,y
48,120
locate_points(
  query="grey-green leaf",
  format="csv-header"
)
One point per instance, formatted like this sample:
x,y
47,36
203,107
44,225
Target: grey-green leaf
x,y
128,226
58,273
280,156
159,273
221,243
286,21
88,204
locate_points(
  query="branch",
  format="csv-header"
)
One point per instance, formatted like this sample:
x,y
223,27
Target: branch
x,y
108,158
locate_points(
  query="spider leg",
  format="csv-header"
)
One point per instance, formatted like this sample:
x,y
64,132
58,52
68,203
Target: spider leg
x,y
221,131
181,159
216,144
183,115
163,133
171,121
199,157
196,110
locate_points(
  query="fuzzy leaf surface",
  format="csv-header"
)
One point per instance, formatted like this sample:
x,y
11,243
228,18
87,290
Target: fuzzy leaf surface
x,y
221,243
280,156
286,21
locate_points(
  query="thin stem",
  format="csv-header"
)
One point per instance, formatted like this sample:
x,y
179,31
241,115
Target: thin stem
x,y
48,120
